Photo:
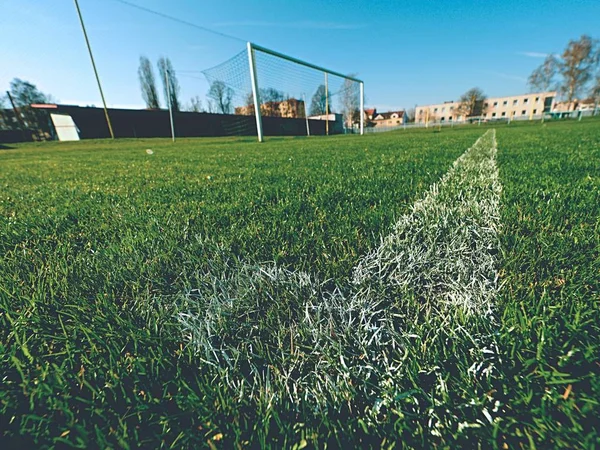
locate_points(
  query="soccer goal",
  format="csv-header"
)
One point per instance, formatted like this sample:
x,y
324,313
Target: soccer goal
x,y
272,94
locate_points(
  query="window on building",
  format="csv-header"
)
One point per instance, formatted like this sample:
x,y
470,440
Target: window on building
x,y
435,110
515,102
503,113
526,101
397,121
442,119
495,104
505,102
535,111
493,114
523,113
537,99
451,108
450,118
485,105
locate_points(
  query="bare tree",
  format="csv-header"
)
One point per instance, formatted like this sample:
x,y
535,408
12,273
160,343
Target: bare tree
x,y
270,99
471,103
574,69
543,78
350,101
24,94
319,101
222,96
410,115
148,83
576,66
166,71
4,118
210,107
195,104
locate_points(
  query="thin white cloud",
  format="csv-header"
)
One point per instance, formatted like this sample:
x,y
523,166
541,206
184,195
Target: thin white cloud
x,y
533,54
301,24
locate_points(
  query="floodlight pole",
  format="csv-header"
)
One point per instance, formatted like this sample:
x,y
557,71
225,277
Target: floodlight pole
x,y
362,108
87,41
254,81
168,85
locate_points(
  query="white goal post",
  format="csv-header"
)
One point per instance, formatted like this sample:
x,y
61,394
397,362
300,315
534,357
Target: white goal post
x,y
252,49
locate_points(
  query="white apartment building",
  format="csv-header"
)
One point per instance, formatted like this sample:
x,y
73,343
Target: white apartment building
x,y
494,108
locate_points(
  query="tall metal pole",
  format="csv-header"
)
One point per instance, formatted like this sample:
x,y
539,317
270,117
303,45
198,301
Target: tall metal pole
x,y
87,41
306,116
168,85
254,82
362,108
16,111
326,105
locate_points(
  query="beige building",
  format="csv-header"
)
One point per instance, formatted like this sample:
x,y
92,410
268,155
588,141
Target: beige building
x,y
389,119
494,108
290,108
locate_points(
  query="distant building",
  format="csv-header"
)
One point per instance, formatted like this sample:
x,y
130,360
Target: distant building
x,y
512,107
291,108
390,119
370,113
575,105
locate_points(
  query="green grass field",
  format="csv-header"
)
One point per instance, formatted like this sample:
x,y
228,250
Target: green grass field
x,y
196,296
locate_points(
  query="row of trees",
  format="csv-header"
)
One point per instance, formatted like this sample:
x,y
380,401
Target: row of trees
x,y
220,97
168,79
573,73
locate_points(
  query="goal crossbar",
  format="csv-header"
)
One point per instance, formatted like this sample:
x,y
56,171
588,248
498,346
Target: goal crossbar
x,y
303,63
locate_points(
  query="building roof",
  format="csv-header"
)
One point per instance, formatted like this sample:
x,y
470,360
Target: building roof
x,y
388,115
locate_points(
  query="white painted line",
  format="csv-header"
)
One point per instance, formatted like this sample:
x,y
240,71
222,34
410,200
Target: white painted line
x,y
445,249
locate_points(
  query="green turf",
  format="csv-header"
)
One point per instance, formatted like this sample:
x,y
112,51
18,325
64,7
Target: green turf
x,y
90,231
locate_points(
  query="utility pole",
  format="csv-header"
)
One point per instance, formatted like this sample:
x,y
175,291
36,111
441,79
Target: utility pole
x,y
16,111
87,41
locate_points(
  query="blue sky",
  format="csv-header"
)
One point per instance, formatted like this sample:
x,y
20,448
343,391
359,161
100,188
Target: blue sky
x,y
406,52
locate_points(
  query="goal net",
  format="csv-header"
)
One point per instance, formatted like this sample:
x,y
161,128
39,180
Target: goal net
x,y
292,97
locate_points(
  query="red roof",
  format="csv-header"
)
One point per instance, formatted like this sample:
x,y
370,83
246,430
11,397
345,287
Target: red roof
x,y
43,106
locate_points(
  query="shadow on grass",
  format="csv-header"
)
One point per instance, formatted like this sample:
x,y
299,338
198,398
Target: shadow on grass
x,y
5,147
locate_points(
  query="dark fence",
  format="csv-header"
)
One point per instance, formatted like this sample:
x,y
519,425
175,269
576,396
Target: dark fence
x,y
126,123
12,136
